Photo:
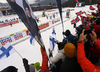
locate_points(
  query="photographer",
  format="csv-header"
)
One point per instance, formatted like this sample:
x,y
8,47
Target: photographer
x,y
69,38
85,64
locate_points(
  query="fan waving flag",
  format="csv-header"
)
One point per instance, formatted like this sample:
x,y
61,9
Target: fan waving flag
x,y
6,50
79,13
53,32
91,7
32,39
23,10
52,42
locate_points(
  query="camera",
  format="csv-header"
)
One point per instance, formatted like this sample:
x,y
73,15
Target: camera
x,y
88,31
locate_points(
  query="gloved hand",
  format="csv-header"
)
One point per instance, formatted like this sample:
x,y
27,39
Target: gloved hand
x,y
25,61
50,52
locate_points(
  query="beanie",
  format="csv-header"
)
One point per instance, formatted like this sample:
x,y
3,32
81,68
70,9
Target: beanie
x,y
67,32
10,69
37,65
60,45
69,50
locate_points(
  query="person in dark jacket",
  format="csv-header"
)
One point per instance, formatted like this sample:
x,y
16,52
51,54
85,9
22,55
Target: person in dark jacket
x,y
10,69
69,38
70,64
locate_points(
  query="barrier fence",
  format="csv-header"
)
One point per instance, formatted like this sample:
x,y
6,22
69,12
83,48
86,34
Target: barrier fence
x,y
16,36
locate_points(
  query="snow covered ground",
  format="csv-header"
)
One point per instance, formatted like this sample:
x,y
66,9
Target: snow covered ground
x,y
32,53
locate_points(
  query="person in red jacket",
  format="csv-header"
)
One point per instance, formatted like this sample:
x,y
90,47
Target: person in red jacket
x,y
43,68
85,64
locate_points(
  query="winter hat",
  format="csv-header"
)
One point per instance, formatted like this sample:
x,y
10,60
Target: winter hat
x,y
10,69
60,45
67,32
37,65
69,50
32,68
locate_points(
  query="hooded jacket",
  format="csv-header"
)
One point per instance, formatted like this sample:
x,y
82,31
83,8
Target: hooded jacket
x,y
70,65
59,55
85,64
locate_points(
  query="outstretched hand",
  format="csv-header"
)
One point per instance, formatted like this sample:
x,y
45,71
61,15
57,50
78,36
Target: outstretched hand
x,y
93,36
82,36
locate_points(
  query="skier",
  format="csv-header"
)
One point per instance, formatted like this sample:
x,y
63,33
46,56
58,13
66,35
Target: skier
x,y
68,13
10,23
37,19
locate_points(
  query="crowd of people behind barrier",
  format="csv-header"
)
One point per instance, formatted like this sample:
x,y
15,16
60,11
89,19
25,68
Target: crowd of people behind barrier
x,y
9,20
76,53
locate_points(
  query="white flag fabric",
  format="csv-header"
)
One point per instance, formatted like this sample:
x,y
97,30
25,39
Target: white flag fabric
x,y
6,50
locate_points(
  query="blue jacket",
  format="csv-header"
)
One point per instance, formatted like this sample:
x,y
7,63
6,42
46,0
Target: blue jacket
x,y
70,38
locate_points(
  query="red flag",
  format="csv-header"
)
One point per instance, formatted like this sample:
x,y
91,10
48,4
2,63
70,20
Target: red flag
x,y
91,7
76,0
83,18
73,21
77,19
77,4
79,13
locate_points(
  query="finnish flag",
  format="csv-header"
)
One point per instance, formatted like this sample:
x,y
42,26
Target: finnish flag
x,y
52,42
32,39
6,51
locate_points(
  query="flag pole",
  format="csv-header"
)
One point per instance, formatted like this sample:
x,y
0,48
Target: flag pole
x,y
18,53
60,11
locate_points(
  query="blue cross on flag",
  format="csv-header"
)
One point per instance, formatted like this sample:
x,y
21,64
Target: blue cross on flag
x,y
52,42
32,39
6,50
53,32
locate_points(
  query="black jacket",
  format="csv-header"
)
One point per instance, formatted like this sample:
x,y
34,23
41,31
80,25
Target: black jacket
x,y
70,65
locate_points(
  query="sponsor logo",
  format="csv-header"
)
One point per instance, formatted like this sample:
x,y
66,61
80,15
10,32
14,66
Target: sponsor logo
x,y
4,41
18,36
